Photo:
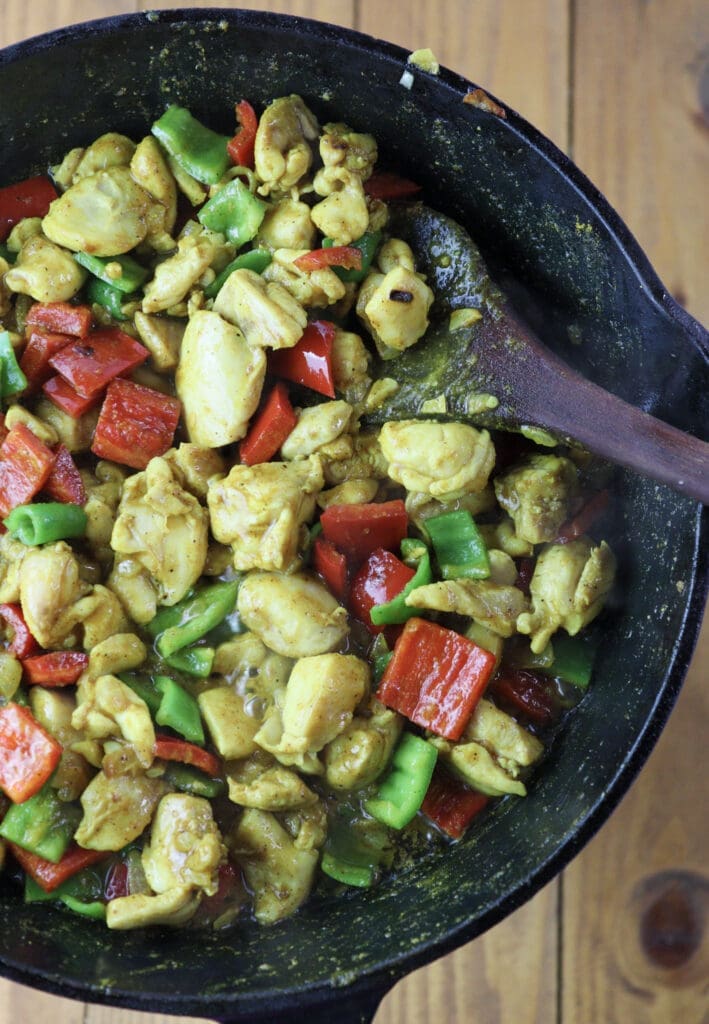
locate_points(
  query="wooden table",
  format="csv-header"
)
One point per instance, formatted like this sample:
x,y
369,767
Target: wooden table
x,y
623,86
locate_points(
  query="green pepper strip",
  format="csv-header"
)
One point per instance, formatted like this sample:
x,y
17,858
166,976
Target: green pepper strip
x,y
143,688
45,522
195,661
188,779
78,894
573,659
130,279
12,379
185,623
179,710
110,298
42,825
256,260
396,611
235,212
459,546
197,149
368,244
400,794
342,870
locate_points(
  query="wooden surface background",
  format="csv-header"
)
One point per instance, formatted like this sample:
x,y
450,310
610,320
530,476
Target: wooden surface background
x,y
623,86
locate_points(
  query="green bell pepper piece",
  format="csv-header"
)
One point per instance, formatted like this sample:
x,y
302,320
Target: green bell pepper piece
x,y
235,212
396,611
7,254
256,260
144,688
82,893
197,149
189,779
111,299
458,544
368,244
573,658
400,794
195,661
12,379
187,622
42,825
343,870
179,710
130,279
46,522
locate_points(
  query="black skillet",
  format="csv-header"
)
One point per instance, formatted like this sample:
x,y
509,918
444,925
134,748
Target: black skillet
x,y
523,201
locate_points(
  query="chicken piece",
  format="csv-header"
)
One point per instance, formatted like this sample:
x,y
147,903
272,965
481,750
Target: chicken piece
x,y
568,589
102,498
163,528
50,589
53,709
219,380
118,653
503,535
495,605
394,309
12,553
393,253
109,150
343,214
101,615
278,873
10,675
260,782
173,908
363,749
193,467
512,746
259,510
162,336
287,225
133,586
231,727
185,846
442,459
294,614
318,426
150,169
350,362
264,311
251,669
351,492
321,696
109,708
176,275
311,288
105,214
77,434
282,151
117,809
25,229
536,494
5,293
420,506
63,173
45,271
307,826
476,766
340,146
367,461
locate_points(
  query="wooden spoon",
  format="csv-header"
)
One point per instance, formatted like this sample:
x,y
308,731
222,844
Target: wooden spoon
x,y
496,373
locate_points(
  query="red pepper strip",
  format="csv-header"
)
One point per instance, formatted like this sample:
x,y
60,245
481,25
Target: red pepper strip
x,y
30,198
57,668
269,428
22,644
169,749
135,424
28,754
579,524
65,398
25,465
309,362
116,884
450,804
61,318
331,564
50,876
92,363
435,677
241,147
347,256
522,692
358,530
39,349
378,580
387,185
65,483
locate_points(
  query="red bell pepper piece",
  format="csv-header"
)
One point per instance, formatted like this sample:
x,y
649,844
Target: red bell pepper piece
x,y
30,198
92,363
331,564
25,465
135,424
525,571
65,398
116,884
241,147
269,428
347,256
450,804
169,749
28,754
22,644
387,185
520,691
50,876
61,318
435,677
65,483
579,524
40,348
358,530
57,668
309,362
379,579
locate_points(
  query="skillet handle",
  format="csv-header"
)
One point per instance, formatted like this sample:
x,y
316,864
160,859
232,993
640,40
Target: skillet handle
x,y
343,1006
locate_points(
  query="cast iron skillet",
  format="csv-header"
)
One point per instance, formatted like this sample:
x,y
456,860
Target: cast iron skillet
x,y
574,270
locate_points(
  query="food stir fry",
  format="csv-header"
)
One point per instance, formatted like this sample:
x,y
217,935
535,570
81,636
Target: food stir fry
x,y
252,644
